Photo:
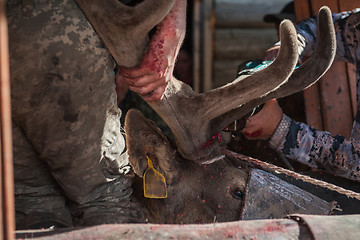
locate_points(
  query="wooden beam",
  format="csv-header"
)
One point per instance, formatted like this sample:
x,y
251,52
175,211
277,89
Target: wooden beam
x,y
302,9
335,100
331,103
245,13
351,71
294,227
7,176
334,89
208,40
347,5
311,94
196,32
246,43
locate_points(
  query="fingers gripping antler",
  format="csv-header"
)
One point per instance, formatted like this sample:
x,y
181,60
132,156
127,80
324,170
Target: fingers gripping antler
x,y
124,29
189,114
306,75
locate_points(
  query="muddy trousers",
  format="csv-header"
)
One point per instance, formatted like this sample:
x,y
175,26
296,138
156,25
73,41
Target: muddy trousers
x,y
70,166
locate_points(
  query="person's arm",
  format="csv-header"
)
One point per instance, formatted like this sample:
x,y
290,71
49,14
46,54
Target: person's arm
x,y
263,124
317,149
346,24
306,40
150,79
298,141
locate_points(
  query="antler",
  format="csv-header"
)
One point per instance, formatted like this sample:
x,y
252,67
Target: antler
x,y
303,77
124,29
189,115
194,118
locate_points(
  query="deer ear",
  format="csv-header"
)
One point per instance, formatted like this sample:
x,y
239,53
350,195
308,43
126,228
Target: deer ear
x,y
143,138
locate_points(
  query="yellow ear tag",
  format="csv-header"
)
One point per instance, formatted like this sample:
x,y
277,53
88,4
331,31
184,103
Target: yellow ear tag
x,y
154,182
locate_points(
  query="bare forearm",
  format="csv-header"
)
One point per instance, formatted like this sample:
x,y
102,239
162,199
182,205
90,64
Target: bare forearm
x,y
150,79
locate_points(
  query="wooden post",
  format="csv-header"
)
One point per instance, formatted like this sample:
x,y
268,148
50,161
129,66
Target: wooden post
x,y
311,94
203,39
346,5
196,21
334,89
208,44
7,175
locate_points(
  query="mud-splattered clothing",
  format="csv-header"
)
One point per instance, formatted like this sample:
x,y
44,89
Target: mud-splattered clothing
x,y
67,136
319,149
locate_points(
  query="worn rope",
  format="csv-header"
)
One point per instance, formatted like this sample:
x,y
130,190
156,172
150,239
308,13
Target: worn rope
x,y
296,175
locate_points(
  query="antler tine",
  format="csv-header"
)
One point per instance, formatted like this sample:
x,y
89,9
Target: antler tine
x,y
303,77
124,29
314,68
243,90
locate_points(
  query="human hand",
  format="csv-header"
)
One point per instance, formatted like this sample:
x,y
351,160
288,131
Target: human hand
x,y
271,53
263,124
150,79
150,85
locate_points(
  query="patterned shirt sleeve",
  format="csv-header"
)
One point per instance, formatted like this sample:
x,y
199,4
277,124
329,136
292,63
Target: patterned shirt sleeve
x,y
345,23
319,149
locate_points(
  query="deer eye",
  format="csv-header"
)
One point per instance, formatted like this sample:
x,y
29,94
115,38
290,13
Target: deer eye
x,y
237,193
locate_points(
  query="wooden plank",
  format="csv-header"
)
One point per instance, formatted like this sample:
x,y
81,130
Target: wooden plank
x,y
335,100
351,69
2,223
196,32
302,9
225,71
250,43
8,204
313,107
256,229
334,89
317,4
208,48
311,94
347,5
245,13
293,227
339,102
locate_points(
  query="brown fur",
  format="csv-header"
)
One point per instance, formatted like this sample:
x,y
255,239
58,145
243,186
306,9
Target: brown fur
x,y
196,193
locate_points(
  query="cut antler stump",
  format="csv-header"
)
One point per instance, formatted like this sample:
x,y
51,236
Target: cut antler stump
x,y
124,29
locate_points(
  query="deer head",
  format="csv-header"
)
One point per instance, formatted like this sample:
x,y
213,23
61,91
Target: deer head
x,y
194,118
196,193
226,190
